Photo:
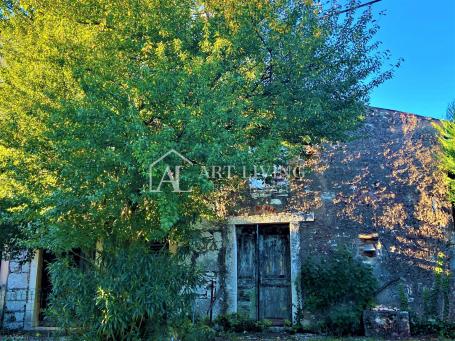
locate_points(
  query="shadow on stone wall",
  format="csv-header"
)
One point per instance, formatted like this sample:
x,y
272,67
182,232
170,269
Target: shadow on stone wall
x,y
386,180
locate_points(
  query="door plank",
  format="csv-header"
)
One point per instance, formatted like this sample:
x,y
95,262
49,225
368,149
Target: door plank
x,y
247,271
274,273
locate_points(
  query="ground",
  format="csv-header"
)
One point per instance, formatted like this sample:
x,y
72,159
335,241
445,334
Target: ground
x,y
304,337
244,337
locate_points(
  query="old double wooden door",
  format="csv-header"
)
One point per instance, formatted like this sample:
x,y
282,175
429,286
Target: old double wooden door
x,y
263,271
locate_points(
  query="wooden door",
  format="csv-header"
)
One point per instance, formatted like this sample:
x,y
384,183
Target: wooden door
x,y
247,266
263,269
274,273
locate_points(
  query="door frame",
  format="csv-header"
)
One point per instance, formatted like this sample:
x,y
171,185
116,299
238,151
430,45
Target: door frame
x,y
4,272
294,221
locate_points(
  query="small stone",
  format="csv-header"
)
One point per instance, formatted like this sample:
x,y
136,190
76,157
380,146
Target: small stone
x,y
327,196
275,202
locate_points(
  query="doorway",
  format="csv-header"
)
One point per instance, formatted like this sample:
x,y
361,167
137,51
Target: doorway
x,y
264,272
45,287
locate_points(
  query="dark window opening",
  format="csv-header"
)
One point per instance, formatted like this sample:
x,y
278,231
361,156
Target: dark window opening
x,y
369,253
369,244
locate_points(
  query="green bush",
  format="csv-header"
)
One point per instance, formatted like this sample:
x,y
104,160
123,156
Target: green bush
x,y
336,290
130,294
436,327
188,331
241,323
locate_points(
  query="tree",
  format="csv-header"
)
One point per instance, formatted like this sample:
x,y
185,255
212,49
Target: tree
x,y
446,130
92,92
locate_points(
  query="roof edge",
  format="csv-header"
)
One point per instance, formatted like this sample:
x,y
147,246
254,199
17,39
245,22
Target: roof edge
x,y
406,113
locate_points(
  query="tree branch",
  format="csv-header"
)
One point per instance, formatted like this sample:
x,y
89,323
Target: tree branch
x,y
369,3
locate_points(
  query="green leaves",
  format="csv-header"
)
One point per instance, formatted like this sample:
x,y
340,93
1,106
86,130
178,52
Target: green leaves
x,y
132,293
446,131
96,91
336,289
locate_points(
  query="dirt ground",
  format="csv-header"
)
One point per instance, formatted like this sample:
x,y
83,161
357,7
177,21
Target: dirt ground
x,y
244,337
307,337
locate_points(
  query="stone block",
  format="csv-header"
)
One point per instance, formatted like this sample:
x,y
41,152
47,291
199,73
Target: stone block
x,y
276,202
15,306
13,325
19,317
14,267
25,267
16,295
327,196
386,322
218,239
17,281
17,267
13,320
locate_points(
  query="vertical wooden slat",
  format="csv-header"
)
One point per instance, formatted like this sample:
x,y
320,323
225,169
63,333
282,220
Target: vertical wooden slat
x,y
258,267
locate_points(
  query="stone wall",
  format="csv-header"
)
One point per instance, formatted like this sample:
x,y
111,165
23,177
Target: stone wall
x,y
385,182
381,195
210,298
14,309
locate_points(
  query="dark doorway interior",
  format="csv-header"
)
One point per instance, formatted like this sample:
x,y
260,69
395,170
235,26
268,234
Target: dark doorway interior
x,y
263,270
46,287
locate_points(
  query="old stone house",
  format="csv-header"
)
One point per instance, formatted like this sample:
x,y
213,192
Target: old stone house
x,y
381,195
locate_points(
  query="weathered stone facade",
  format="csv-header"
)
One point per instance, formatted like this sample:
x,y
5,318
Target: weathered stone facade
x,y
382,195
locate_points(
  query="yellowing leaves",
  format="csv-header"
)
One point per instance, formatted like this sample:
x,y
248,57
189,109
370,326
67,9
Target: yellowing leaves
x,y
181,53
177,44
219,46
250,75
147,48
222,44
160,50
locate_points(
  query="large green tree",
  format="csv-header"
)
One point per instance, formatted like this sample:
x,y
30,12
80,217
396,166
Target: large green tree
x,y
92,92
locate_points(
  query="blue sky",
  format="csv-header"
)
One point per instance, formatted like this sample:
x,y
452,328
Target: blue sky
x,y
423,33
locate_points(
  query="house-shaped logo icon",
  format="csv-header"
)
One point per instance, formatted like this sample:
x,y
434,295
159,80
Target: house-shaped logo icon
x,y
169,176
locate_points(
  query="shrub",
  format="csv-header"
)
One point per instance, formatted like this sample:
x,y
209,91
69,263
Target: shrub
x,y
434,327
130,294
188,331
241,323
336,289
